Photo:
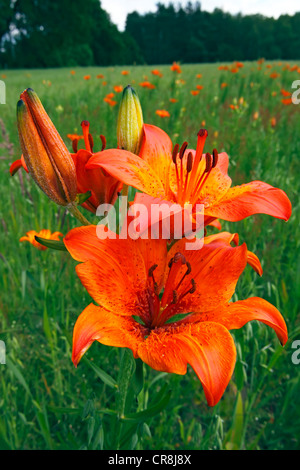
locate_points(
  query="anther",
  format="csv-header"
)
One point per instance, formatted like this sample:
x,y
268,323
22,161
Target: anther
x,y
182,150
175,297
209,161
179,256
192,290
175,152
91,141
189,163
215,157
103,140
75,145
151,270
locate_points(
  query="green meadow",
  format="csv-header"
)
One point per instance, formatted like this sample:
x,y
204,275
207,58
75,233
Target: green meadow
x,y
47,403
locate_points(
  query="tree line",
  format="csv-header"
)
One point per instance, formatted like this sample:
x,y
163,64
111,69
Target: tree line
x,y
57,33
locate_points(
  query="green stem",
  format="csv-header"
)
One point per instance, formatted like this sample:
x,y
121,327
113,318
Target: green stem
x,y
125,374
73,209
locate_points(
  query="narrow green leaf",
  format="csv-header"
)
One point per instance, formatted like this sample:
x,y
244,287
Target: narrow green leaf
x,y
106,378
53,244
82,197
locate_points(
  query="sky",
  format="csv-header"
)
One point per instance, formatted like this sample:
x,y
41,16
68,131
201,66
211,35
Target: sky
x,y
118,9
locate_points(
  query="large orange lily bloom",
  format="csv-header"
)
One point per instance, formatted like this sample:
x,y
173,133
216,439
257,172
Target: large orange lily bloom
x,y
185,176
140,287
104,188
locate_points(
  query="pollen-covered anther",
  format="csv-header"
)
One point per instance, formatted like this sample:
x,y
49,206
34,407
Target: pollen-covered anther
x,y
189,162
193,288
215,158
103,140
182,150
175,297
91,141
209,162
202,133
175,152
151,270
75,145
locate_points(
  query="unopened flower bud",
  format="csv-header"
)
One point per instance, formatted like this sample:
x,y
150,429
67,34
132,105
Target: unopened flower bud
x,y
47,158
130,121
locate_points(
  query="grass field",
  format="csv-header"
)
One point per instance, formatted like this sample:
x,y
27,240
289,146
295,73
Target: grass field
x,y
45,402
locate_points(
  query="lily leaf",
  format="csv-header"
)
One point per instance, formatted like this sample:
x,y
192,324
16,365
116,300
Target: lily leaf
x,y
82,197
53,244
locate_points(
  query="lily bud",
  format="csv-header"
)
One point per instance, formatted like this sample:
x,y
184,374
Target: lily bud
x,y
130,121
47,158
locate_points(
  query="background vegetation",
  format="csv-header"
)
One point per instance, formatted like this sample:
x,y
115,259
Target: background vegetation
x,y
62,33
45,403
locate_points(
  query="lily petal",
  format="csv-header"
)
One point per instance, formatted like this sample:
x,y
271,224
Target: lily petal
x,y
128,168
251,198
207,347
237,314
97,324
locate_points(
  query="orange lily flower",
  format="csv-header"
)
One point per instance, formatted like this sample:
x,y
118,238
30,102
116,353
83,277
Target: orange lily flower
x,y
104,188
45,233
125,278
147,84
87,77
190,177
195,92
118,88
125,72
175,67
156,72
173,100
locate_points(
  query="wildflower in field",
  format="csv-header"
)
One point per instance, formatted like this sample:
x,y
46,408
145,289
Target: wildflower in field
x,y
185,176
156,72
125,72
199,87
224,85
100,75
87,77
255,115
147,84
45,233
239,65
118,88
139,289
234,69
273,122
104,188
173,100
199,75
72,72
47,158
286,101
285,92
195,92
274,75
162,113
175,67
109,100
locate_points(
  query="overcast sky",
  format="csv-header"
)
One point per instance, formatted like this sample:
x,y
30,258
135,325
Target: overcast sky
x,y
118,9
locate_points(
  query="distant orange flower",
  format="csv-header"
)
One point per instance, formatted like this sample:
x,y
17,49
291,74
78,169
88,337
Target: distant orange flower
x,y
274,75
269,66
224,85
199,75
118,88
156,72
175,67
110,95
274,93
72,72
295,67
256,115
87,77
173,100
233,106
285,92
199,87
239,65
162,113
74,137
110,101
147,84
195,92
104,83
45,233
234,70
100,75
286,101
3,75
273,122
125,72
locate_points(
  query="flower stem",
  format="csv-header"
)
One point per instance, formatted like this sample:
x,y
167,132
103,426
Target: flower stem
x,y
73,209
